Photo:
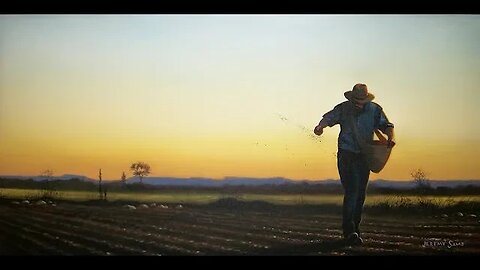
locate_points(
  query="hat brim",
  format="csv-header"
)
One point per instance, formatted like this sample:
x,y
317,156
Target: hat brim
x,y
349,95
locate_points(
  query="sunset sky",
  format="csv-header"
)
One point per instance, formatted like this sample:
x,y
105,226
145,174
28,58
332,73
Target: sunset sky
x,y
233,95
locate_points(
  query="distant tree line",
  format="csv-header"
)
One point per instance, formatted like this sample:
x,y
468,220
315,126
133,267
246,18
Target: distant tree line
x,y
288,188
72,184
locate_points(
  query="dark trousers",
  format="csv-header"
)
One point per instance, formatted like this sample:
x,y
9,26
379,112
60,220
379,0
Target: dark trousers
x,y
354,173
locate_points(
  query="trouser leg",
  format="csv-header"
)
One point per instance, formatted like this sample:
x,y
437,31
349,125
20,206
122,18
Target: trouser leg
x,y
345,170
354,173
364,173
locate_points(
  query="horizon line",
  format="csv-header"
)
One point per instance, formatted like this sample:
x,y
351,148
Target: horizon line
x,y
226,178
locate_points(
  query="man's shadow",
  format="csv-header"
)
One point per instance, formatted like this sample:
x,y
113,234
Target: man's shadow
x,y
318,248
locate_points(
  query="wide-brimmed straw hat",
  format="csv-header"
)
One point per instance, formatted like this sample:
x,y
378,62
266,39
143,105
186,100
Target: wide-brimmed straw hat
x,y
359,94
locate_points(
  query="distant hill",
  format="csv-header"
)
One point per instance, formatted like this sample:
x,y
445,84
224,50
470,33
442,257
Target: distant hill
x,y
237,181
250,181
53,178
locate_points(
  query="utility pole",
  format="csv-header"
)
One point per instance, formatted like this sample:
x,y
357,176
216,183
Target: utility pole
x,y
124,179
100,183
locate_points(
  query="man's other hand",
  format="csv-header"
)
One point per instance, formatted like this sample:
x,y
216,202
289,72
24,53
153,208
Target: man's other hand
x,y
390,144
318,130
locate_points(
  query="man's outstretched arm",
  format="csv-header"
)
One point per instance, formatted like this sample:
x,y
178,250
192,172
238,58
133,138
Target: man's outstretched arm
x,y
319,128
329,119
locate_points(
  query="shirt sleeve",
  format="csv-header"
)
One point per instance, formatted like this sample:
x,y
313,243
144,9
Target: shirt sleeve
x,y
332,117
383,122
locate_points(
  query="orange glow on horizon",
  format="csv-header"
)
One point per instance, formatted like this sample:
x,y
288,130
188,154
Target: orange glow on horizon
x,y
293,156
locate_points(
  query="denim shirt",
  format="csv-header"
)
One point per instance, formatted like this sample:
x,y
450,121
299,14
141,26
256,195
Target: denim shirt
x,y
368,119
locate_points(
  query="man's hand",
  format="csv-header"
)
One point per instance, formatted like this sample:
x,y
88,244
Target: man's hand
x,y
390,143
318,130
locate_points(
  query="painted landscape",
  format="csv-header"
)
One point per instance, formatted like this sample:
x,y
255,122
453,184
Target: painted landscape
x,y
239,134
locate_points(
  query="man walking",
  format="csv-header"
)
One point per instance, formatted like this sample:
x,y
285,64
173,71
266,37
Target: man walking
x,y
358,118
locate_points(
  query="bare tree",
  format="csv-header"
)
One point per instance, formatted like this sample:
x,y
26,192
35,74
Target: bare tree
x,y
420,178
140,169
47,175
49,191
